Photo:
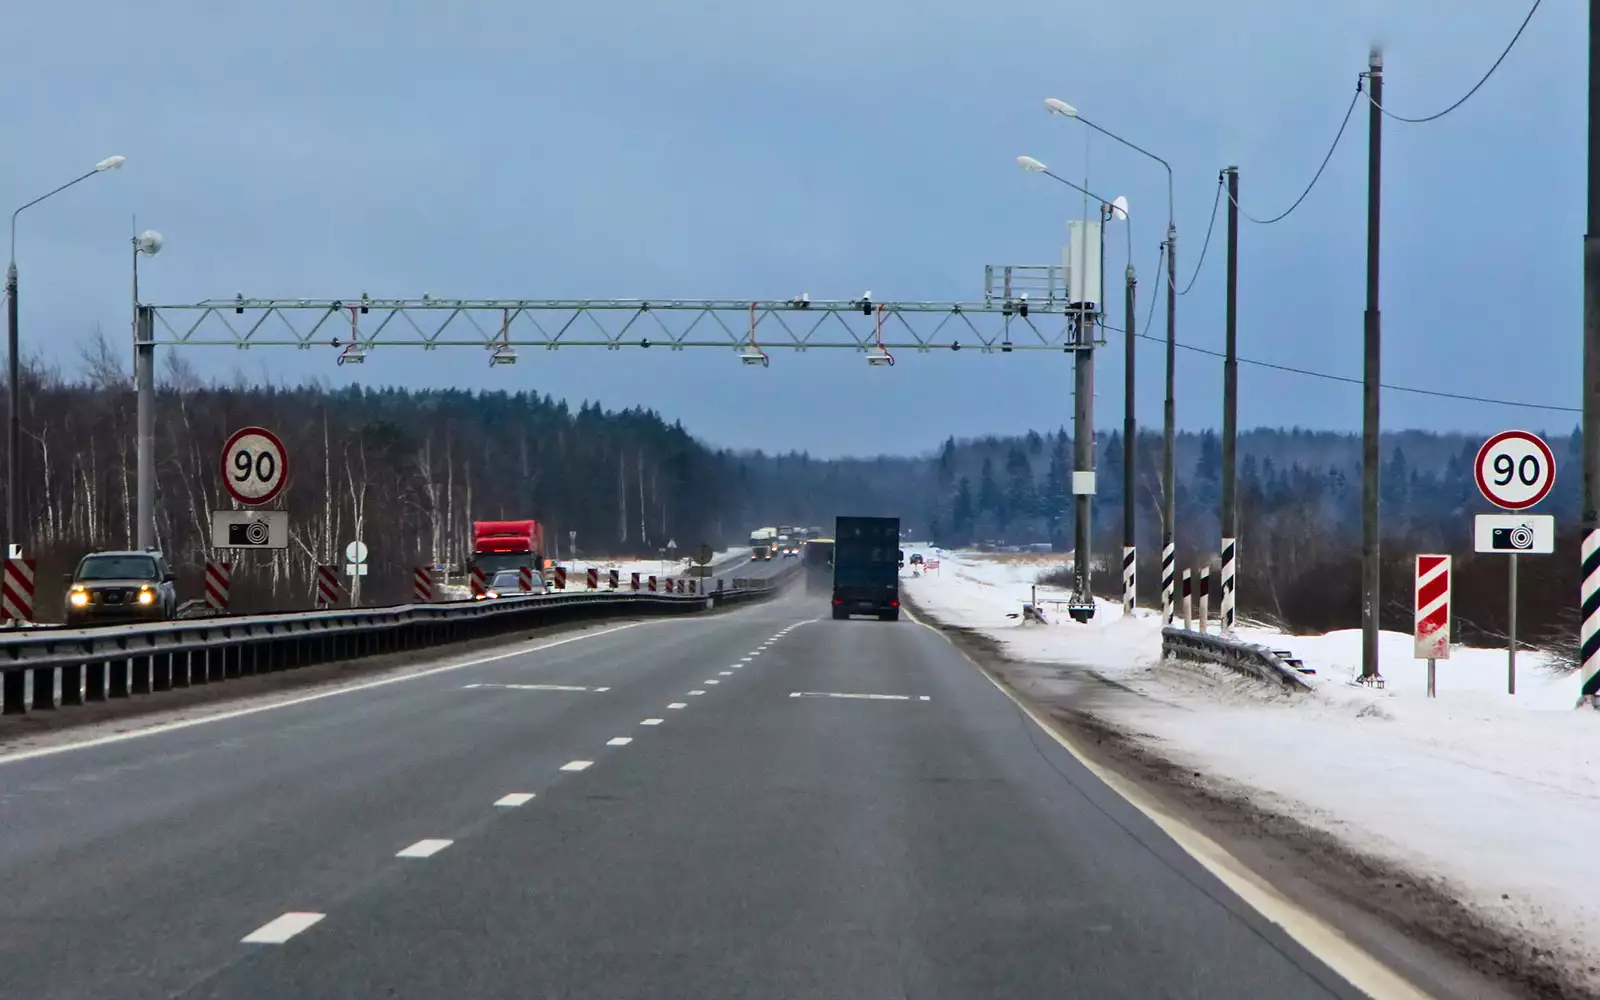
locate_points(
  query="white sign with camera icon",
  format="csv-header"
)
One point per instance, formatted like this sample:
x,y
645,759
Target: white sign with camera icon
x,y
249,529
1514,534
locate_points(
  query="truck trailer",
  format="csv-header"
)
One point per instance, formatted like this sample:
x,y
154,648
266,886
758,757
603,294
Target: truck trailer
x,y
866,567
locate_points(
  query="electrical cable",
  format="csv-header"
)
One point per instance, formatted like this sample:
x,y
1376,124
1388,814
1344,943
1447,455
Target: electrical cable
x,y
1215,201
1318,176
1465,97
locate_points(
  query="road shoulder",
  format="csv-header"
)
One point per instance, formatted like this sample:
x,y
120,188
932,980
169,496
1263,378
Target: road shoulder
x,y
1411,924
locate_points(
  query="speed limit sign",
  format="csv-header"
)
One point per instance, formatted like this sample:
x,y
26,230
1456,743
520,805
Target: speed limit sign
x,y
1515,469
254,465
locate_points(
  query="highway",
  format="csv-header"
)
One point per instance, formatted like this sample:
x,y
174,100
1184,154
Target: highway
x,y
680,808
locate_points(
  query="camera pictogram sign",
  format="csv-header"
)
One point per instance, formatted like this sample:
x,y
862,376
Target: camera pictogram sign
x,y
249,529
1514,534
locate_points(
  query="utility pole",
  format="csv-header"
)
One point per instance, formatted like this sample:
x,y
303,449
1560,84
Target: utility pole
x,y
1230,413
1083,451
1169,482
144,381
1370,379
12,535
1130,433
1590,596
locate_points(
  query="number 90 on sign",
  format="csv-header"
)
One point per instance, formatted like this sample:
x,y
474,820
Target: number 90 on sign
x,y
254,465
1515,470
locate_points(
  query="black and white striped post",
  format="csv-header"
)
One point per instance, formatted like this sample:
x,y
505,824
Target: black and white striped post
x,y
1229,597
1205,597
1188,601
1169,565
1590,627
1130,578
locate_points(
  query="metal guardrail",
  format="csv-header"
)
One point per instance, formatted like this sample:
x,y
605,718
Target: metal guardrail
x,y
1247,658
111,662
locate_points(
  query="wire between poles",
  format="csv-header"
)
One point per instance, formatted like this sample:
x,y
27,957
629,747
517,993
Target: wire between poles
x,y
1475,87
1200,262
1318,176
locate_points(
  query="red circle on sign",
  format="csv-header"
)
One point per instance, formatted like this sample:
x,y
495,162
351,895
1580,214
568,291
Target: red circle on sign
x,y
272,484
1488,489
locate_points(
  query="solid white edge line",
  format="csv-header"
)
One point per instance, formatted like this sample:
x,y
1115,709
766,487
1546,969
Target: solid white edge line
x,y
577,765
619,741
425,848
514,799
167,727
650,722
1326,942
281,929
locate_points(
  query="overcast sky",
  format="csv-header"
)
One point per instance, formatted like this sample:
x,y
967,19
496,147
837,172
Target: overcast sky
x,y
741,150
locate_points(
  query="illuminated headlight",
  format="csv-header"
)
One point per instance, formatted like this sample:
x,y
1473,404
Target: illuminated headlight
x,y
147,596
492,593
78,598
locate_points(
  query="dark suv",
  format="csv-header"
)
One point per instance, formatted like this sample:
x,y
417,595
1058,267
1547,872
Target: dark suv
x,y
120,587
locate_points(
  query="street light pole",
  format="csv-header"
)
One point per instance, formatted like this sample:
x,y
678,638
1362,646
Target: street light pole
x,y
1373,342
1169,491
144,383
12,529
1590,436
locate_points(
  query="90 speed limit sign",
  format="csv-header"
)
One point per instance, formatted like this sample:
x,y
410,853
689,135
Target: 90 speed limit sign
x,y
254,465
1515,469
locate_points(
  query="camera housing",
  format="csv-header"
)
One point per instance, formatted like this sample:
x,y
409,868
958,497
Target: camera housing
x,y
249,533
1518,538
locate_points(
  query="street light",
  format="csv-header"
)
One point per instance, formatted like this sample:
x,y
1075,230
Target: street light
x,y
1083,405
14,425
1169,416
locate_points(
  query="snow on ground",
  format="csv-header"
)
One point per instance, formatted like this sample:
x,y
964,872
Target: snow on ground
x,y
1494,794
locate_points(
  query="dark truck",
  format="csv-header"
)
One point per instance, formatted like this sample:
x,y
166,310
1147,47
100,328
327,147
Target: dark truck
x,y
866,567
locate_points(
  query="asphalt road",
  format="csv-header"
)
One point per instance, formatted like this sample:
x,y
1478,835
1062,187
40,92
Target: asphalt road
x,y
750,844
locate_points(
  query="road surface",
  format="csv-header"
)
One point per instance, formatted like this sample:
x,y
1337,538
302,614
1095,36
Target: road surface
x,y
707,819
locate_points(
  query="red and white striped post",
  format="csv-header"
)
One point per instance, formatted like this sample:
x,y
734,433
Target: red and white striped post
x,y
422,584
219,580
16,593
525,579
561,578
692,584
327,586
478,581
652,585
594,578
616,579
1433,612
636,581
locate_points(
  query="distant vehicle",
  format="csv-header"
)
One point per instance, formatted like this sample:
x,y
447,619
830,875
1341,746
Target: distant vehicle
x,y
503,545
508,583
121,586
762,543
819,565
916,558
866,575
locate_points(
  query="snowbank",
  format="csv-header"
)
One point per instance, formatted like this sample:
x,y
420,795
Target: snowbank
x,y
1494,794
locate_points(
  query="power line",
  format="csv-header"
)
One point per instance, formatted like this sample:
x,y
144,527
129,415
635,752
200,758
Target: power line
x,y
1155,292
1318,176
1507,51
1438,393
1215,201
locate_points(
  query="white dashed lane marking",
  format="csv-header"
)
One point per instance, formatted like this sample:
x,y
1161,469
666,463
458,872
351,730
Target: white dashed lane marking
x,y
619,741
282,929
696,693
679,704
424,849
866,697
576,765
711,681
650,722
536,687
724,673
514,799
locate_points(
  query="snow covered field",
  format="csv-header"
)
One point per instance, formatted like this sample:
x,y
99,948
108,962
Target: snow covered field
x,y
1493,794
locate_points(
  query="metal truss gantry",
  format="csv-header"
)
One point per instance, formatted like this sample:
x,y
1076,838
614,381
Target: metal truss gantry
x,y
353,327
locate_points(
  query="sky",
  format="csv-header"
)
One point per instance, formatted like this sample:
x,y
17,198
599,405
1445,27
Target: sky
x,y
733,150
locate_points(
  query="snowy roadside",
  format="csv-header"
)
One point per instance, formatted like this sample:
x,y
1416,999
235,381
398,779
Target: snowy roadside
x,y
1490,795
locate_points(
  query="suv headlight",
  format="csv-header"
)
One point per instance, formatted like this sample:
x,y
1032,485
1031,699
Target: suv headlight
x,y
78,597
146,595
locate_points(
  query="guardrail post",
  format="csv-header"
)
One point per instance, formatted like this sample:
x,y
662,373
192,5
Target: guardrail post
x,y
139,673
44,689
161,672
14,693
95,683
72,684
230,662
119,677
180,669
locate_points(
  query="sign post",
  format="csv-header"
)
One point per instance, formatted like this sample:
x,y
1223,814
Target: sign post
x,y
1515,470
1432,612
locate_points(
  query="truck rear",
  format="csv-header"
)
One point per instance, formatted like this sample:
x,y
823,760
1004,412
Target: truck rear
x,y
504,545
866,567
